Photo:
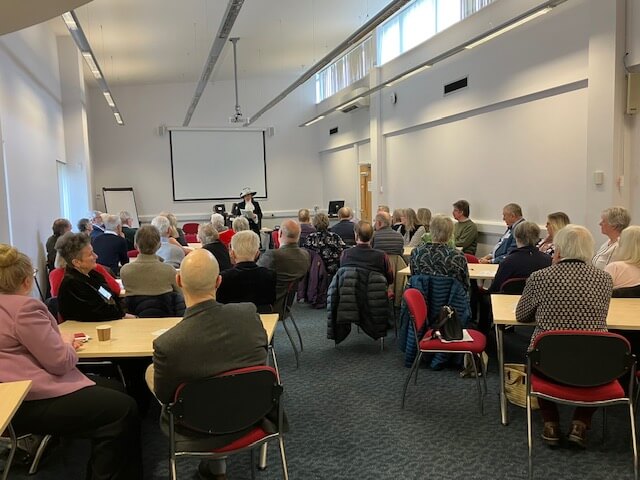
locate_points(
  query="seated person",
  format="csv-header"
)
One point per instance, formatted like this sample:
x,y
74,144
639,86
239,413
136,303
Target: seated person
x,y
168,251
210,239
612,222
60,227
84,226
57,274
328,245
465,232
363,256
240,224
304,219
126,221
97,224
512,216
572,294
524,260
176,232
83,294
111,247
555,221
246,281
62,401
409,226
438,257
423,219
224,232
344,227
290,262
148,281
217,337
385,238
625,269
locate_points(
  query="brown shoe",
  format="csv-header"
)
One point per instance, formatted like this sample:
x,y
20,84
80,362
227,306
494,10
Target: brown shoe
x,y
551,434
578,434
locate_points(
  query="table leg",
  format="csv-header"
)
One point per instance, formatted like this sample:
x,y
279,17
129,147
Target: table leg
x,y
504,412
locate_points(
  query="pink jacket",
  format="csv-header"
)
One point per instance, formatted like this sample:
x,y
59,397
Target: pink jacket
x,y
31,348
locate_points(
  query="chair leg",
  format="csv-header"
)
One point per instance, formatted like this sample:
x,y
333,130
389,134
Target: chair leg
x,y
295,325
275,361
529,436
475,371
38,456
406,382
283,458
293,345
634,441
419,357
262,461
174,473
604,424
381,344
14,446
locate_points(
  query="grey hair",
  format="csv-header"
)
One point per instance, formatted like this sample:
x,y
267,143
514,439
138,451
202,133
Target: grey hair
x,y
111,222
513,209
245,244
71,244
125,216
147,239
207,233
217,221
527,233
441,228
574,242
617,217
321,222
240,224
162,224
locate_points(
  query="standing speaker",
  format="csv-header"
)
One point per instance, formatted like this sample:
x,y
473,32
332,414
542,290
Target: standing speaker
x,y
633,93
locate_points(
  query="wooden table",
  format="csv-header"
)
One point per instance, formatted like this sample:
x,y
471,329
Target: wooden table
x,y
624,314
477,271
133,337
11,396
406,251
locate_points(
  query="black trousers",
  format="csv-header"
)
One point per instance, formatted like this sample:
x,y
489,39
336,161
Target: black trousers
x,y
106,416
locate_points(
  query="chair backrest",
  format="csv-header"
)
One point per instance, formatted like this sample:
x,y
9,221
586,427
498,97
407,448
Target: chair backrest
x,y
227,403
471,258
275,238
581,358
417,307
52,305
191,237
627,292
190,228
132,253
513,286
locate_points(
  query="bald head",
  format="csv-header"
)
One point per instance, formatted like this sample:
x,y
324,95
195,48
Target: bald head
x,y
199,273
289,232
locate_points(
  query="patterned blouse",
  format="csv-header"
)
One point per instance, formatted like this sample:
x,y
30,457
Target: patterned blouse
x,y
329,246
546,246
440,259
570,295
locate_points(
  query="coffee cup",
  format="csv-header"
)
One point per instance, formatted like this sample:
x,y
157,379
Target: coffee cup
x,y
104,333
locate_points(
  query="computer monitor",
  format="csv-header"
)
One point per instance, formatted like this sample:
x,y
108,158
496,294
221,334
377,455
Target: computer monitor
x,y
334,206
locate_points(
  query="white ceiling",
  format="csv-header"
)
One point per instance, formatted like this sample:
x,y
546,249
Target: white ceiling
x,y
164,41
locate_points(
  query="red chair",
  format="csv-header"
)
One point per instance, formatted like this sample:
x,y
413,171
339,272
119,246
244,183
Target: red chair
x,y
233,401
582,368
191,237
132,253
275,238
190,228
418,310
471,258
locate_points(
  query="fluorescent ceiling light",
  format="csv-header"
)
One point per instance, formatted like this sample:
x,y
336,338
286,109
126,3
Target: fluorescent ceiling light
x,y
109,98
508,27
69,21
317,119
93,66
351,102
118,118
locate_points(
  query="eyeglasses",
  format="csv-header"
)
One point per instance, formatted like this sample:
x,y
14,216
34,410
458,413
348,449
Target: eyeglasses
x,y
35,272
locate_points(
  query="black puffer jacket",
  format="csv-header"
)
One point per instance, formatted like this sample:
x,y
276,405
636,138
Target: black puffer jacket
x,y
359,296
148,306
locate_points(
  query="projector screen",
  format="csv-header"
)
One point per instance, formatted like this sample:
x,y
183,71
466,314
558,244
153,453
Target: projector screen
x,y
217,164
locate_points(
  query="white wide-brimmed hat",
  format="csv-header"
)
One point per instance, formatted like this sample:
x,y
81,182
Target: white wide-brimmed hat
x,y
247,191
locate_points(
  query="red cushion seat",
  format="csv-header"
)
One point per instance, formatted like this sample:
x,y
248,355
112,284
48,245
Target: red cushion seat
x,y
249,438
477,346
609,391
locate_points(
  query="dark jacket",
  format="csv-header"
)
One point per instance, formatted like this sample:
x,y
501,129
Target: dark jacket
x,y
388,240
151,306
96,231
344,228
129,235
520,263
290,263
221,253
305,230
247,282
111,250
359,296
78,298
255,226
313,287
437,291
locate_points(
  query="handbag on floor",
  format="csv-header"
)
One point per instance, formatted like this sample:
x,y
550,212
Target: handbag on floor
x,y
515,385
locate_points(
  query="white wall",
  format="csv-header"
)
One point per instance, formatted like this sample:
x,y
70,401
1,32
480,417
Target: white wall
x,y
33,136
136,156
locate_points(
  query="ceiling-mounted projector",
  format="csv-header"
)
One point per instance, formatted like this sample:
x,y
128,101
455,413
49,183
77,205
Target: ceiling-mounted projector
x,y
237,118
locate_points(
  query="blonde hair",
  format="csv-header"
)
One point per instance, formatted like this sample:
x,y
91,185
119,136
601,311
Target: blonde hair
x,y
15,267
173,224
412,219
240,224
424,217
629,246
441,228
574,242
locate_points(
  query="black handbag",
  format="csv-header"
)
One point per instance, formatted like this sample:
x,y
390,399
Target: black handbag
x,y
448,324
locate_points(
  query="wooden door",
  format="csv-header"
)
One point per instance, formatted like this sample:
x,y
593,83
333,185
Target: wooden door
x,y
365,194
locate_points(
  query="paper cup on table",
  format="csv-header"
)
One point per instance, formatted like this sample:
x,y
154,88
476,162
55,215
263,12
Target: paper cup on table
x,y
104,333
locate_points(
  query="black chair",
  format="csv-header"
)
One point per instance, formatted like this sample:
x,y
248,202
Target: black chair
x,y
235,401
513,286
582,368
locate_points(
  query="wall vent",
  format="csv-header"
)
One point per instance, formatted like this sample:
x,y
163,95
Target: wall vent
x,y
333,130
457,85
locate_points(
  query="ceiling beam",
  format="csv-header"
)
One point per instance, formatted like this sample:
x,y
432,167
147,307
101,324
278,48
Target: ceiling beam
x,y
19,14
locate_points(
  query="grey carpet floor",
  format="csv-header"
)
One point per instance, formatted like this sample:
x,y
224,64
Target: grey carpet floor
x,y
343,405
